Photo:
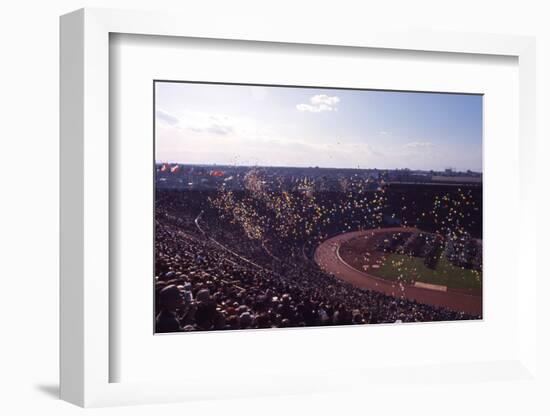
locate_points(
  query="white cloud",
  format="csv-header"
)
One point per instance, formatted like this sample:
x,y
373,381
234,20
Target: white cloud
x,y
419,145
324,99
220,125
213,124
319,103
166,117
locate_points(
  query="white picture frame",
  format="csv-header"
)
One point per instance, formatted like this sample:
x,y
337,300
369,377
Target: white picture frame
x,y
85,212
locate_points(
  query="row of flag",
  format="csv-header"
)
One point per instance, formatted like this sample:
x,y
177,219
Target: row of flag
x,y
169,168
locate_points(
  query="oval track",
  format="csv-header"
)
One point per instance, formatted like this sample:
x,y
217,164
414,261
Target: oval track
x,y
328,258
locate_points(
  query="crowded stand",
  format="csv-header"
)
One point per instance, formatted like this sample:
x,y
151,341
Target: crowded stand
x,y
229,259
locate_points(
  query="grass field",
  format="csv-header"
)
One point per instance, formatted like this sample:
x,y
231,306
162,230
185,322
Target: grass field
x,y
408,269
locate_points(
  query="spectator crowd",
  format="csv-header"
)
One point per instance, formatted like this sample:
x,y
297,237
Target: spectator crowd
x,y
211,275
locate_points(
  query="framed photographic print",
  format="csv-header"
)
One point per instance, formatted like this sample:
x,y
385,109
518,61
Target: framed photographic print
x,y
287,206
290,210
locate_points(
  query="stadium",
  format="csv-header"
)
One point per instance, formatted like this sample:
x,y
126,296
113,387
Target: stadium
x,y
241,247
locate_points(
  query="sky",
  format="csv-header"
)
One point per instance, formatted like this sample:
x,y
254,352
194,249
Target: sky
x,y
284,126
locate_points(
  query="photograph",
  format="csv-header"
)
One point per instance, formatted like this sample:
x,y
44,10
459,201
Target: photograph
x,y
282,206
247,208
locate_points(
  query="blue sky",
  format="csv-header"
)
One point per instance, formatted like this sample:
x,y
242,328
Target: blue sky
x,y
278,126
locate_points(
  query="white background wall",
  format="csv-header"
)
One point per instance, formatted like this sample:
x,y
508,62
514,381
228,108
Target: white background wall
x,y
29,195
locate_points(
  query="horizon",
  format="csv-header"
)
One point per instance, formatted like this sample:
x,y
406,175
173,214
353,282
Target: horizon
x,y
313,167
304,127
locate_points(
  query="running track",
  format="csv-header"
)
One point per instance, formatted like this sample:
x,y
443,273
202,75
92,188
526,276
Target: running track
x,y
328,258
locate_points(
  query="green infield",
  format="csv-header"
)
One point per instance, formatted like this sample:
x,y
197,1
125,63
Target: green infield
x,y
409,269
